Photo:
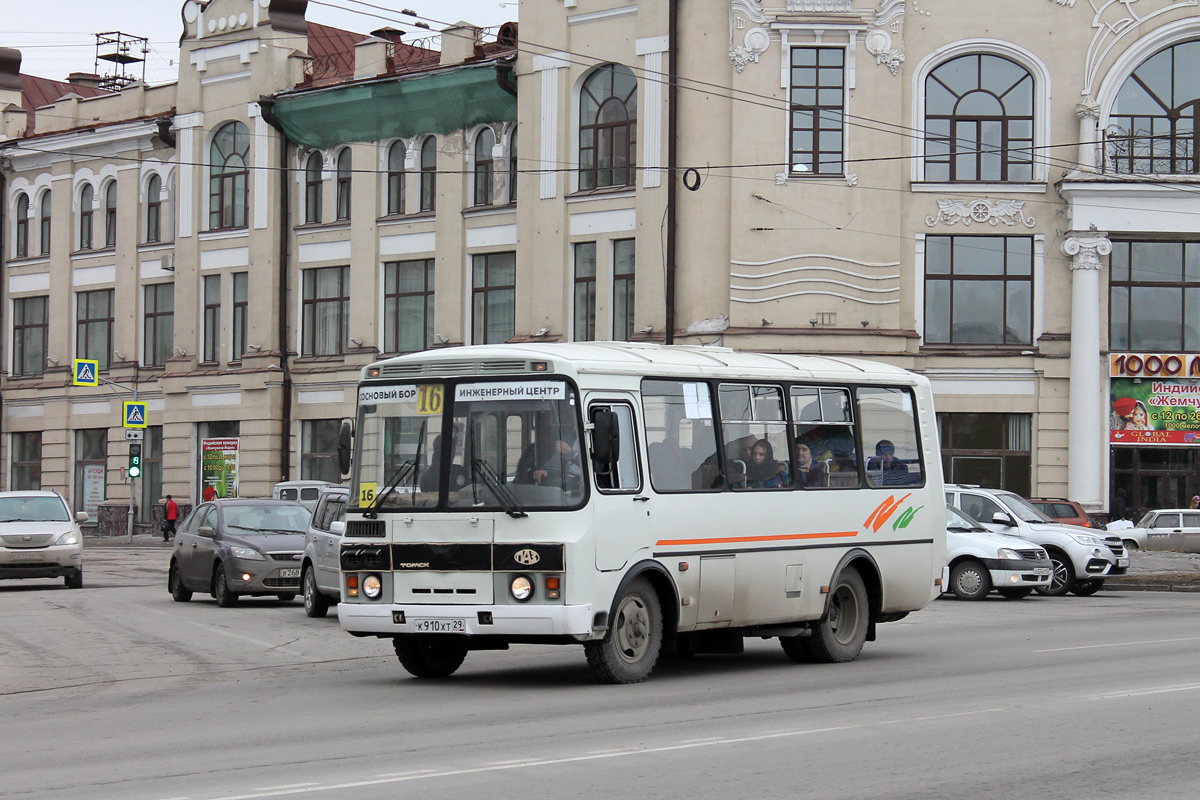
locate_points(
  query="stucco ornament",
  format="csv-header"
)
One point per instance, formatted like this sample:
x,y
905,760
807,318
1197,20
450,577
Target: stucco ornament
x,y
879,44
991,212
755,43
745,19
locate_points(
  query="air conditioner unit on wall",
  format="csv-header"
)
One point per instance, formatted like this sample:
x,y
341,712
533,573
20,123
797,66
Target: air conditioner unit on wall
x,y
168,262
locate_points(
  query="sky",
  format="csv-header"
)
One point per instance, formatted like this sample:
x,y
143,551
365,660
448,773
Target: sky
x,y
57,37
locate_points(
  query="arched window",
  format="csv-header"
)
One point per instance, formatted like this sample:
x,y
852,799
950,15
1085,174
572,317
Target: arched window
x,y
22,225
485,140
343,184
429,174
312,189
395,178
607,128
44,223
1154,127
110,214
228,186
154,209
87,197
979,120
512,166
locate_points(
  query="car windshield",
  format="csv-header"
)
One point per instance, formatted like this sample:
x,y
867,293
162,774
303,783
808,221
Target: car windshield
x,y
1147,520
1021,507
958,521
251,520
33,509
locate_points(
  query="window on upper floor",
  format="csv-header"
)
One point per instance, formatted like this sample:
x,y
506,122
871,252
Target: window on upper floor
x,y
313,186
623,264
979,290
608,128
87,200
484,167
429,174
493,297
408,305
22,231
154,209
212,318
344,171
396,174
160,323
44,223
583,301
241,321
1154,300
110,214
818,110
94,326
229,172
979,120
326,311
31,328
512,166
1154,125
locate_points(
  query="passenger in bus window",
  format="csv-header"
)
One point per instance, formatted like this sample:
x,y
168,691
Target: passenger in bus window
x,y
763,471
551,459
809,473
891,471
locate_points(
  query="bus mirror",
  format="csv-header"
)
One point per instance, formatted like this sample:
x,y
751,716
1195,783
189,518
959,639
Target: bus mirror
x,y
606,448
345,436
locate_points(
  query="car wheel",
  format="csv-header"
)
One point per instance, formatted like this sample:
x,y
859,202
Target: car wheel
x,y
629,651
1015,594
429,656
1087,588
1061,579
286,597
75,580
315,603
221,591
179,592
839,635
970,580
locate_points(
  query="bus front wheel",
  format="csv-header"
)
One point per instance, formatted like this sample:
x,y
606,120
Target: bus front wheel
x,y
839,636
429,656
630,650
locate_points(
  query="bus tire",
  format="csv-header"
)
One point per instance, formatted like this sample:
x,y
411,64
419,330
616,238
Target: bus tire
x,y
429,656
839,635
628,653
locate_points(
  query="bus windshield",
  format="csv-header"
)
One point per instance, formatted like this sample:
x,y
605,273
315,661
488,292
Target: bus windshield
x,y
398,436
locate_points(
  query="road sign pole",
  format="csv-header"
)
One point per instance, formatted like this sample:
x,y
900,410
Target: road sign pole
x,y
132,487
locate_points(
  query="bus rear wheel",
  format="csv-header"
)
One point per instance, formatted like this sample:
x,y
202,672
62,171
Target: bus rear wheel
x,y
630,650
429,656
839,636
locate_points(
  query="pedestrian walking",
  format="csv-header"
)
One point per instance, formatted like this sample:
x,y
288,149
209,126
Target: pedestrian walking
x,y
169,517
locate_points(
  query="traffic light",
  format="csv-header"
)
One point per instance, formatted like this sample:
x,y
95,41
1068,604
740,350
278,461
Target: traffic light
x,y
135,459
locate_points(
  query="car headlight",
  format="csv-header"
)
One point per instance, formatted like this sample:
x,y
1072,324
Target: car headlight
x,y
522,588
372,587
1083,538
247,554
1004,552
70,537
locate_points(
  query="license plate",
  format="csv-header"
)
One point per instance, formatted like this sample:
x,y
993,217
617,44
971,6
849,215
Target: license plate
x,y
32,556
440,625
289,573
1122,562
1042,571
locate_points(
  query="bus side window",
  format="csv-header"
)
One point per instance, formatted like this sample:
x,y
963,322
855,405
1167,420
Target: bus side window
x,y
681,440
625,475
824,427
889,429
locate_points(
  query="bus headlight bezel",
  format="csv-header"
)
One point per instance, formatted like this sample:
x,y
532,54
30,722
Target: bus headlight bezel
x,y
521,588
372,586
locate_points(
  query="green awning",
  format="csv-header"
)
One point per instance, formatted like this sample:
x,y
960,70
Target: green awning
x,y
402,106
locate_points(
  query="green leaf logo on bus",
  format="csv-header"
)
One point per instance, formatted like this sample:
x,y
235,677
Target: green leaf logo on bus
x,y
884,511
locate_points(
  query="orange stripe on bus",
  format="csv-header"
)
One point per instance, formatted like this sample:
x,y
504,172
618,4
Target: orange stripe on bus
x,y
779,538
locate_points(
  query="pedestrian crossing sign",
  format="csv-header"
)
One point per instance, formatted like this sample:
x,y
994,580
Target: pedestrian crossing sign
x,y
134,414
86,372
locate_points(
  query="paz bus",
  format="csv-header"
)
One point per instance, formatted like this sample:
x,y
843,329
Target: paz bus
x,y
640,500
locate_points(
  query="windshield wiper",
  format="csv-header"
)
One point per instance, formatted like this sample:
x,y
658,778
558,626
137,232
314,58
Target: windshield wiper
x,y
402,472
503,493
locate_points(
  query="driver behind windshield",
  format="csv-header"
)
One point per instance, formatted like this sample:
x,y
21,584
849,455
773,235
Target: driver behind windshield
x,y
552,458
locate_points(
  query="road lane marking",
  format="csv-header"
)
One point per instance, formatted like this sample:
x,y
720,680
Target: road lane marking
x,y
1184,687
1116,644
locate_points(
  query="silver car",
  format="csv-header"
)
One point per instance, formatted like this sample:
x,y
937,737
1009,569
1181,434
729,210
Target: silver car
x,y
233,547
321,575
1168,529
40,537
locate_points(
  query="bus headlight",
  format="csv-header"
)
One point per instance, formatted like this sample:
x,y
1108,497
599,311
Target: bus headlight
x,y
372,587
522,588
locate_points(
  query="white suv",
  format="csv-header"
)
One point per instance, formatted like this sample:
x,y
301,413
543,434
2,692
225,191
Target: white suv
x,y
320,568
1082,557
40,537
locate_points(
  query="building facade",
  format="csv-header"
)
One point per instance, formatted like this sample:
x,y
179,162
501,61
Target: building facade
x,y
997,197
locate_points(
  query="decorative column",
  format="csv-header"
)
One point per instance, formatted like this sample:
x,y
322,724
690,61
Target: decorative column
x,y
1086,442
1088,114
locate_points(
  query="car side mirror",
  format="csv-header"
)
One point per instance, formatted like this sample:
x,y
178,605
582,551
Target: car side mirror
x,y
1000,518
81,516
204,531
338,527
345,438
606,443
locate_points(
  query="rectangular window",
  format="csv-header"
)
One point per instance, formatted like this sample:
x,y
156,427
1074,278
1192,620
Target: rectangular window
x,y
94,326
152,457
979,290
91,466
408,306
754,436
241,299
160,323
23,227
26,461
326,311
818,81
826,454
988,450
623,289
85,224
212,318
493,297
44,226
1155,296
110,215
681,440
318,450
30,329
227,197
584,328
154,212
624,475
889,425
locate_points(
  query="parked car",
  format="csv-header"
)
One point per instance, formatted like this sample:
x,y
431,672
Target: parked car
x,y
1167,529
979,561
234,547
320,568
40,537
1082,557
303,492
1062,510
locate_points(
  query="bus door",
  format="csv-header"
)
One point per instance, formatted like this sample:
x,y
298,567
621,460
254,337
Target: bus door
x,y
622,509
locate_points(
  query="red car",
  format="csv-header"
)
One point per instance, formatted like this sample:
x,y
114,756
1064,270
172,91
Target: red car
x,y
1062,510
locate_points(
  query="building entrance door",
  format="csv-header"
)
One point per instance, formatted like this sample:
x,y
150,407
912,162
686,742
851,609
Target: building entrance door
x,y
1155,477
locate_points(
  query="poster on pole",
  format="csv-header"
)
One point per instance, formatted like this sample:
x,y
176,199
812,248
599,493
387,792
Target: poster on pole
x,y
219,467
1154,412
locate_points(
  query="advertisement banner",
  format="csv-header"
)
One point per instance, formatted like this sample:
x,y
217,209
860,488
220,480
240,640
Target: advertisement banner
x,y
1154,412
93,489
218,468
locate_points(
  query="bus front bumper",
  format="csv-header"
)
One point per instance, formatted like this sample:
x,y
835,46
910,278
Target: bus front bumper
x,y
493,620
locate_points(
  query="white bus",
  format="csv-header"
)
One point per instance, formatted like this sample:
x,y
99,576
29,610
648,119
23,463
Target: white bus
x,y
637,499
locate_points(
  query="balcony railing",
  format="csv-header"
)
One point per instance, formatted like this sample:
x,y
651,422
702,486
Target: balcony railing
x,y
1143,153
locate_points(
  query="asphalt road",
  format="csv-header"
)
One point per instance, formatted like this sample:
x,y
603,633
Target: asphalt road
x,y
115,691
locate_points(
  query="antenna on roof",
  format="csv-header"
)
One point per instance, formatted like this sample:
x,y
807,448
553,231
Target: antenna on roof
x,y
123,52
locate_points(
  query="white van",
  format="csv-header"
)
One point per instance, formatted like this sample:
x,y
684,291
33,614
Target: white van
x,y
304,492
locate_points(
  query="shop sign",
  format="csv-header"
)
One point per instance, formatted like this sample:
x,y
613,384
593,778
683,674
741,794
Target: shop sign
x,y
1154,365
1154,412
